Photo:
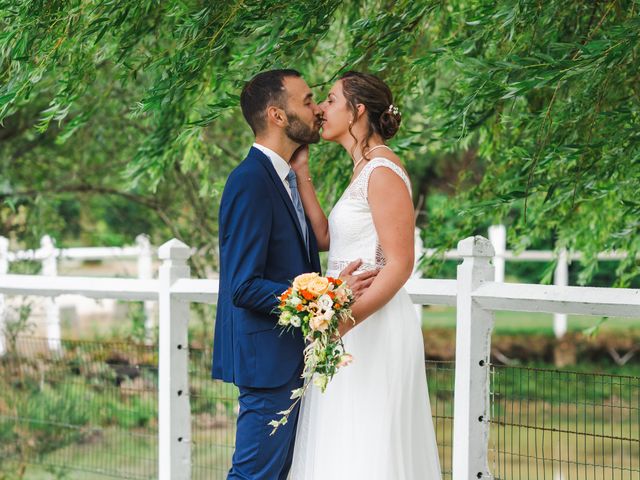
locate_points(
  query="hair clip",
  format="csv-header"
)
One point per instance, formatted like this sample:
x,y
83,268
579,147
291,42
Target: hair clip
x,y
393,109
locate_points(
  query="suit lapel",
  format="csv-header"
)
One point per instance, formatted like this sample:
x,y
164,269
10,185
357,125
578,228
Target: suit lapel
x,y
266,163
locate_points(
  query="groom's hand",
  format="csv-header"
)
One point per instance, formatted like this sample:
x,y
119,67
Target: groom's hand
x,y
357,283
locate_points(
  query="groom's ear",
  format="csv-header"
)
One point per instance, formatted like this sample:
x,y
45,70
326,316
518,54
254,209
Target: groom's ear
x,y
276,116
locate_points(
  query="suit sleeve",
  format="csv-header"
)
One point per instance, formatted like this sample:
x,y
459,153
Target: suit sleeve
x,y
245,227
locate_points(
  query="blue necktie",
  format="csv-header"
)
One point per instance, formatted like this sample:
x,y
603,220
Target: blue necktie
x,y
297,204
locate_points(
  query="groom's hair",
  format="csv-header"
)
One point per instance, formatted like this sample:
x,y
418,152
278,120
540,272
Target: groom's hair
x,y
262,91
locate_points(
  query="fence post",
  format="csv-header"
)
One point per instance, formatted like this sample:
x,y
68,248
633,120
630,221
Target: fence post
x,y
4,268
473,348
498,238
50,269
561,277
174,423
145,272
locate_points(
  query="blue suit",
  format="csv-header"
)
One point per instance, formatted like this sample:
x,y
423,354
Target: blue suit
x,y
262,249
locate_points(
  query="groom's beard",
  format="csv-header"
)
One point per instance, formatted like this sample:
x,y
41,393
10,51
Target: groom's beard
x,y
299,132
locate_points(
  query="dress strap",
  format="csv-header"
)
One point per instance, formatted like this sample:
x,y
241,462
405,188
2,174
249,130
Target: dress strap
x,y
383,162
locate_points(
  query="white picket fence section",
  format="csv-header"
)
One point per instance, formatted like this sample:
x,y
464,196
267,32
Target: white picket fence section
x,y
50,257
143,252
474,293
498,239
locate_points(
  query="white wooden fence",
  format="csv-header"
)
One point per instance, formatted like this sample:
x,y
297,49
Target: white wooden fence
x,y
498,239
143,252
50,257
474,293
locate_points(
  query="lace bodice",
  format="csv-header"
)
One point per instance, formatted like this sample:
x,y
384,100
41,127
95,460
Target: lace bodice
x,y
351,229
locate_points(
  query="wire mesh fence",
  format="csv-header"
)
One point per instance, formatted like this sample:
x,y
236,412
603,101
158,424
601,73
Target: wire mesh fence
x,y
440,378
550,424
214,410
90,412
90,409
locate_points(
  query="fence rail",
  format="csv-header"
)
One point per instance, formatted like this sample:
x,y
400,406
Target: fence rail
x,y
143,252
474,293
47,250
49,256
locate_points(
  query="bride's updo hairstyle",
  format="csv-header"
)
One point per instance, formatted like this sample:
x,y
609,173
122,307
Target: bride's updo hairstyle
x,y
370,91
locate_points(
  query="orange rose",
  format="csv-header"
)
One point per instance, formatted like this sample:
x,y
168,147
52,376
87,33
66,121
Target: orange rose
x,y
318,286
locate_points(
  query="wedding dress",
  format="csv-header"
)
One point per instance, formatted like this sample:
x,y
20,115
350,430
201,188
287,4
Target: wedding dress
x,y
373,422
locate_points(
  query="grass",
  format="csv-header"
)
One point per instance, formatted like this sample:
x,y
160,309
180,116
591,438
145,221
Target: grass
x,y
120,453
114,450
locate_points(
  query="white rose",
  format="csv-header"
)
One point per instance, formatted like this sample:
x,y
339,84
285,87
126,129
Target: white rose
x,y
319,322
285,318
295,301
325,302
295,321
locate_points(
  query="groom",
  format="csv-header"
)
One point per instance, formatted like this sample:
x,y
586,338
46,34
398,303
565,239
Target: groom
x,y
266,241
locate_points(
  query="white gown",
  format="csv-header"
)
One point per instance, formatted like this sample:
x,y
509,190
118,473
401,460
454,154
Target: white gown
x,y
373,422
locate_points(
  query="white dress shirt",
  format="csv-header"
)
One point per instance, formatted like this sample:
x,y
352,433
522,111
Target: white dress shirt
x,y
281,166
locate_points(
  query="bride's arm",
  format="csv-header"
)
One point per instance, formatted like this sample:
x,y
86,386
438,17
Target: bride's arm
x,y
393,217
312,208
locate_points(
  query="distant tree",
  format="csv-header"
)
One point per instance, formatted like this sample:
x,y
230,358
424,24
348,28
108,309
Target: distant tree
x,y
523,111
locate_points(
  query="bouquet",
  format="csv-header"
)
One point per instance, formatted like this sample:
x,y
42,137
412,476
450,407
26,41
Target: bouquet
x,y
316,305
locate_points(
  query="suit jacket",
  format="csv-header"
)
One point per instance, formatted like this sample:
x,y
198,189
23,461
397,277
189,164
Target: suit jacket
x,y
261,250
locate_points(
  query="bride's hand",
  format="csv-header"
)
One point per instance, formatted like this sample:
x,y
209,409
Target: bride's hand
x,y
300,159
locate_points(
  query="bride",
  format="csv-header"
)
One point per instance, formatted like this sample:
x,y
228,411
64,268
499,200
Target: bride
x,y
374,420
